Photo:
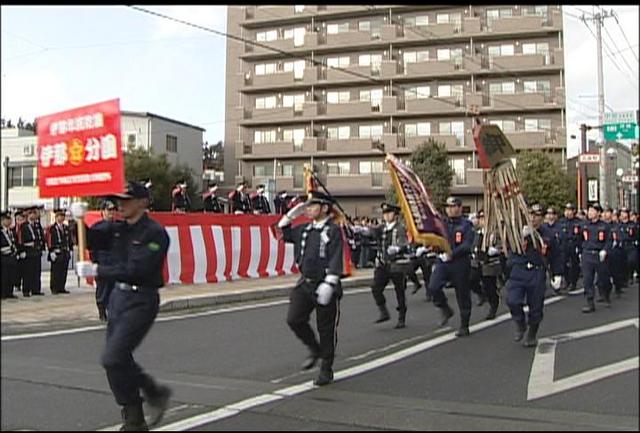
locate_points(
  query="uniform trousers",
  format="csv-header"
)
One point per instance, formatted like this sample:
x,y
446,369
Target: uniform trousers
x,y
302,301
571,266
31,269
59,269
457,272
530,284
131,315
591,265
8,274
381,277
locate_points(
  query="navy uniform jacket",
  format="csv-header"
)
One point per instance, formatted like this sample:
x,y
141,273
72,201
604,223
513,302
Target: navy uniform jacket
x,y
558,232
261,204
8,247
571,234
596,236
40,239
386,236
241,202
29,240
100,242
138,251
629,235
212,204
59,238
318,249
460,234
549,253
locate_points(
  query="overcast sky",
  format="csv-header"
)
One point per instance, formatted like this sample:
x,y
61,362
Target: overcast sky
x,y
55,58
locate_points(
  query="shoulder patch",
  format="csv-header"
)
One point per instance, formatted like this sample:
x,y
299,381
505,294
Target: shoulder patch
x,y
153,246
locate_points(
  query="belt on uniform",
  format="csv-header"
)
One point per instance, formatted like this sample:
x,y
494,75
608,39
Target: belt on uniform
x,y
132,287
529,266
596,252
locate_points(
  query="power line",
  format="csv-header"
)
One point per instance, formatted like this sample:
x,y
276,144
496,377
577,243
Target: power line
x,y
616,47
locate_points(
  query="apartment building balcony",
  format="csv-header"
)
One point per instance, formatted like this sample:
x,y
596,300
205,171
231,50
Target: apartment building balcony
x,y
269,80
350,145
391,32
419,33
519,61
527,139
278,44
311,39
352,37
349,73
432,67
275,148
433,105
353,183
311,109
519,101
471,25
557,57
516,24
278,113
389,104
354,108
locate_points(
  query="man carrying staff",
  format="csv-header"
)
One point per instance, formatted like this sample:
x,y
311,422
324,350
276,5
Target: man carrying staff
x,y
138,250
319,255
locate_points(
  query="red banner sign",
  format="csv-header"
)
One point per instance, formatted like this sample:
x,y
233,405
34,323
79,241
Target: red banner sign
x,y
80,152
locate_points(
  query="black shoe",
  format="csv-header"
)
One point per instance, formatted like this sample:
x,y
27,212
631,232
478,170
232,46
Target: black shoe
x,y
384,314
64,291
157,405
520,330
324,378
429,298
26,295
590,307
416,288
401,324
492,314
600,300
133,418
310,362
445,314
481,301
463,331
38,294
531,340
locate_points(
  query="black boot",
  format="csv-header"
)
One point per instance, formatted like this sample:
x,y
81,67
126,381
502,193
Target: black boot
x,y
384,314
531,340
520,330
445,314
607,300
325,376
401,319
463,331
492,313
481,300
133,418
157,404
590,307
429,297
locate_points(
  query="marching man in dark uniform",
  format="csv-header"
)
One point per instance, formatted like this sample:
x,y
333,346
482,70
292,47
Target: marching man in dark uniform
x,y
101,254
556,229
21,254
319,255
60,249
392,242
617,258
528,276
571,245
260,203
181,202
212,201
596,247
485,267
629,238
240,201
30,243
138,251
8,257
281,202
454,267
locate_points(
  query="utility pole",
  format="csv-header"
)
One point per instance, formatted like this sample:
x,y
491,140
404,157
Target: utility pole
x,y
598,20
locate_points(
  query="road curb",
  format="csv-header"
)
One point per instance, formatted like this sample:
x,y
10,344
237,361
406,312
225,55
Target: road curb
x,y
199,301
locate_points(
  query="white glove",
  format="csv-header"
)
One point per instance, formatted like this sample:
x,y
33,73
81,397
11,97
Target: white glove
x,y
23,255
296,211
78,210
86,269
421,250
526,231
324,292
53,256
393,249
444,257
493,251
556,282
603,255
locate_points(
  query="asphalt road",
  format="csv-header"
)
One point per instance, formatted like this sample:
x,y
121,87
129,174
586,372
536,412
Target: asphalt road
x,y
237,368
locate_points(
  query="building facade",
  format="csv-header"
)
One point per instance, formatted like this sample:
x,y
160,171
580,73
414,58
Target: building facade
x,y
181,142
327,85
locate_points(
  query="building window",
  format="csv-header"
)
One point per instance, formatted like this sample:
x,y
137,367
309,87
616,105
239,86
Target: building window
x,y
172,143
417,92
22,176
531,125
265,136
298,8
370,131
295,136
296,101
338,62
339,168
504,125
457,165
266,68
448,54
495,14
420,129
538,48
501,50
418,20
373,60
334,29
297,67
373,95
131,141
266,102
449,18
267,36
415,56
542,86
448,90
453,128
366,167
339,132
338,97
263,170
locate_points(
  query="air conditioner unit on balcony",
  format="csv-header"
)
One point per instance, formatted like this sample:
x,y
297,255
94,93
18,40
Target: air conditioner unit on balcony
x,y
27,150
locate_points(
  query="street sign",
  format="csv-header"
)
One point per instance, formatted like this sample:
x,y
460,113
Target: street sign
x,y
619,131
586,158
593,189
631,178
620,117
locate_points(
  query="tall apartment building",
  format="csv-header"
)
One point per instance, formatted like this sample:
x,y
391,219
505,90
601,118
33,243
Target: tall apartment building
x,y
327,84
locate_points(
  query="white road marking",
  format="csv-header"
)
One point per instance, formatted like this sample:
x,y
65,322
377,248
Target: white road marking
x,y
232,409
541,379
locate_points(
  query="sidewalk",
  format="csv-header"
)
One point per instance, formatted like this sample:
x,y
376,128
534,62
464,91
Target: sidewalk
x,y
50,312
